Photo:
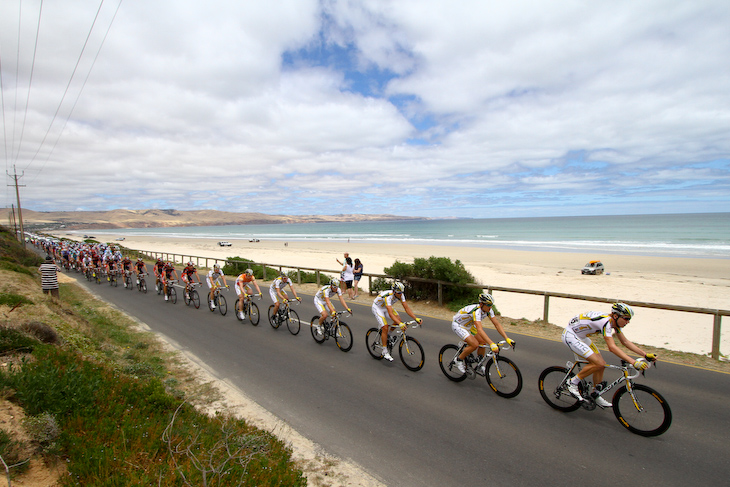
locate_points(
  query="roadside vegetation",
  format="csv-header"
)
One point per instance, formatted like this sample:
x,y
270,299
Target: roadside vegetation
x,y
104,405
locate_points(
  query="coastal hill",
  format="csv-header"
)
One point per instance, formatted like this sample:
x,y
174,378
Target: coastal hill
x,y
38,220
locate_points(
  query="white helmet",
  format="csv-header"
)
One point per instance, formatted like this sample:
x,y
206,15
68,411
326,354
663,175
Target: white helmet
x,y
398,287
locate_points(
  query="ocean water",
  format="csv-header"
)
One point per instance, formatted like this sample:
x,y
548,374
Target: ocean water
x,y
678,235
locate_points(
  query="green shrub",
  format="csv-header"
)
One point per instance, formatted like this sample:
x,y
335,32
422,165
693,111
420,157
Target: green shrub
x,y
436,268
236,265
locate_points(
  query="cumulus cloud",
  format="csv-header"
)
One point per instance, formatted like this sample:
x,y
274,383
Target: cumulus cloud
x,y
452,109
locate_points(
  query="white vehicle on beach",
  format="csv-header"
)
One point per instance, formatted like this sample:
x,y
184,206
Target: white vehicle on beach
x,y
594,267
224,244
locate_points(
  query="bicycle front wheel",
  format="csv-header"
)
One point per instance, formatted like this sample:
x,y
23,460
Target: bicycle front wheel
x,y
253,314
411,353
372,340
447,356
553,385
222,305
195,298
128,283
318,332
292,322
503,377
649,416
343,337
143,286
173,295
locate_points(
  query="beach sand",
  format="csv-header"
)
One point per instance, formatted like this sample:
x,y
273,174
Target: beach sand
x,y
701,283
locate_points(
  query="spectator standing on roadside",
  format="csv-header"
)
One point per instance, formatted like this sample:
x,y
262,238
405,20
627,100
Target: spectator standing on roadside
x,y
348,276
49,277
357,273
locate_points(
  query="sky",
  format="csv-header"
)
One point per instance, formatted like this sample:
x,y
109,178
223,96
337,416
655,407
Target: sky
x,y
435,108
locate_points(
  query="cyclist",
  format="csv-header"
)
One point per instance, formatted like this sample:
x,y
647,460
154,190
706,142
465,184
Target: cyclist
x,y
157,269
213,275
187,276
467,324
277,293
126,265
243,287
383,308
609,325
323,302
168,274
140,267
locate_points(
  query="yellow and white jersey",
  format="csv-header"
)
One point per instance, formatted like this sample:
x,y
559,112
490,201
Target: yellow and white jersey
x,y
469,314
387,298
592,323
327,292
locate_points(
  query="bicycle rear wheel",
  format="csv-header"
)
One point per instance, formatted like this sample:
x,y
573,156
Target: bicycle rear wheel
x,y
253,314
343,337
411,353
273,318
222,304
372,340
447,355
650,416
507,381
143,286
292,322
554,389
318,332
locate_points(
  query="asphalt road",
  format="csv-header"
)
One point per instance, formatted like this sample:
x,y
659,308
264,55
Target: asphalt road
x,y
418,428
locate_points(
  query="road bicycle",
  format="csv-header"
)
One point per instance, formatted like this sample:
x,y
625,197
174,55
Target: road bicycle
x,y
502,374
191,295
219,301
638,408
128,280
171,292
332,327
99,275
111,277
141,283
250,310
285,314
158,285
410,350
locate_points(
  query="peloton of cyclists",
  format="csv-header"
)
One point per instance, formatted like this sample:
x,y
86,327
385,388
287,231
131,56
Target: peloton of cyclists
x,y
323,300
467,324
382,309
576,337
277,293
243,287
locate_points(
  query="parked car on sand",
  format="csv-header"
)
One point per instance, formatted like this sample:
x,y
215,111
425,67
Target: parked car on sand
x,y
224,244
593,267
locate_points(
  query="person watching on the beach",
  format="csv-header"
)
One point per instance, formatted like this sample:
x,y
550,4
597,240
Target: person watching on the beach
x,y
348,276
243,287
383,309
357,275
609,325
277,293
467,324
140,267
168,274
187,275
323,300
213,282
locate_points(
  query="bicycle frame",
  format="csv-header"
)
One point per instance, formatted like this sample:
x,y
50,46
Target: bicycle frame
x,y
625,377
395,333
473,366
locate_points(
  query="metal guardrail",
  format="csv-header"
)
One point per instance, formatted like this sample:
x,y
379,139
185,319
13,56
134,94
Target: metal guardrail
x,y
717,314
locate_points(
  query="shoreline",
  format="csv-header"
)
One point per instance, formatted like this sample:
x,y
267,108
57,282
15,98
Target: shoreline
x,y
686,281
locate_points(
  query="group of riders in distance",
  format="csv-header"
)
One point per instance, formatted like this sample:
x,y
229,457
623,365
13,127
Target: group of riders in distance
x,y
639,408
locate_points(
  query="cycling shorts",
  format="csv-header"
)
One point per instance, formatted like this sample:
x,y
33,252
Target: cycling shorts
x,y
246,288
462,332
275,297
381,315
212,282
582,347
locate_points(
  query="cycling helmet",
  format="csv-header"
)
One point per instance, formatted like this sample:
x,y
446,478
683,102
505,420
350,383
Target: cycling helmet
x,y
159,259
486,298
283,275
216,267
622,310
190,264
248,272
334,282
398,287
139,259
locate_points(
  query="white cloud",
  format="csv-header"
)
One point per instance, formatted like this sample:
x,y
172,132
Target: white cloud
x,y
516,105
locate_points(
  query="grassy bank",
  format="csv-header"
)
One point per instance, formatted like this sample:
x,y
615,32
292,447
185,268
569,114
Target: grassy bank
x,y
105,405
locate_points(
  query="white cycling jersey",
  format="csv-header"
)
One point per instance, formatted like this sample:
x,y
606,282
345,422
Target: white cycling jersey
x,y
470,314
387,298
591,323
327,292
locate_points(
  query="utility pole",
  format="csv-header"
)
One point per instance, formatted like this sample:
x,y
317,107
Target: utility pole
x,y
17,194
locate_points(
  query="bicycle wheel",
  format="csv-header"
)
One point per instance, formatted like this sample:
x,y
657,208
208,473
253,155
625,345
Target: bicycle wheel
x,y
211,304
372,340
447,355
173,294
143,286
253,314
186,298
411,353
507,381
343,337
554,389
113,280
317,332
158,287
195,298
273,318
293,323
128,283
222,305
653,416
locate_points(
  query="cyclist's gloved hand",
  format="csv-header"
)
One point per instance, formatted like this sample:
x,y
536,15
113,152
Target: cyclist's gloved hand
x,y
402,326
333,313
641,364
349,310
419,320
651,357
286,300
511,343
494,347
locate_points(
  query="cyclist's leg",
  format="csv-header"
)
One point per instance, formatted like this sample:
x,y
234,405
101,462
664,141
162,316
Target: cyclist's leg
x,y
321,309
